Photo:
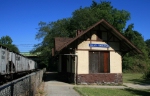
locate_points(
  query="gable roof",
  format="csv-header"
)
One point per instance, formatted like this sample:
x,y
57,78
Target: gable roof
x,y
105,23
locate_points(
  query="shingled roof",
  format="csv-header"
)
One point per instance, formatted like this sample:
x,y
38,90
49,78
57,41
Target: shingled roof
x,y
61,43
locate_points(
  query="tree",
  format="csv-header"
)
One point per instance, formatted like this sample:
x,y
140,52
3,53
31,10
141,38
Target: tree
x,y
148,45
7,42
85,17
82,18
132,61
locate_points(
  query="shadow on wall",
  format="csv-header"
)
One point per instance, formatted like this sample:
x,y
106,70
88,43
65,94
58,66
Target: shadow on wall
x,y
50,76
55,76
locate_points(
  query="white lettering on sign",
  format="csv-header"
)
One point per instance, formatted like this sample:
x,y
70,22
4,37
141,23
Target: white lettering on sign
x,y
99,45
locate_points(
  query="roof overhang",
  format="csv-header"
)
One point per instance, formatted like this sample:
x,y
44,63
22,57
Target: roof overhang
x,y
115,32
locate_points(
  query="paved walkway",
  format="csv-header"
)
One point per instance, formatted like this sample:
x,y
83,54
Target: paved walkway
x,y
57,88
137,86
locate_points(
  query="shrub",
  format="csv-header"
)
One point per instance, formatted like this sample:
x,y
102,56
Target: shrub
x,y
147,73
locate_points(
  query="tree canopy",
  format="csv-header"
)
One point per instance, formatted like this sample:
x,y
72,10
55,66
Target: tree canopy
x,y
83,18
131,61
7,42
148,45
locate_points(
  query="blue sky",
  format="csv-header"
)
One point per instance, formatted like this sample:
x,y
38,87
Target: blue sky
x,y
19,18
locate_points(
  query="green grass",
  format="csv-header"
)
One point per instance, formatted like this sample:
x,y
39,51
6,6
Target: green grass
x,y
135,78
86,91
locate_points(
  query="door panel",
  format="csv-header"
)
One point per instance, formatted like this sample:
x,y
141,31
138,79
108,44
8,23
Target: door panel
x,y
93,58
106,62
99,62
101,58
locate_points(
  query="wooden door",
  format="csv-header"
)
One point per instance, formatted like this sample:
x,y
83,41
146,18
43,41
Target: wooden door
x,y
106,61
99,62
94,61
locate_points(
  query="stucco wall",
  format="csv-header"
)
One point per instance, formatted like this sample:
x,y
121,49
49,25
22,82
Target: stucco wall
x,y
115,62
85,45
93,37
83,55
83,62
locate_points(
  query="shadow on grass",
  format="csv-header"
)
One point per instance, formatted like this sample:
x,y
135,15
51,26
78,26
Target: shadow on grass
x,y
139,92
139,81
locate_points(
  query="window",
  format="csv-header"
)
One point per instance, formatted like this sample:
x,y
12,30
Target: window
x,y
99,62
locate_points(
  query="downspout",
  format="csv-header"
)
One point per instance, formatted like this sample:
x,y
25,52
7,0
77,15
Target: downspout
x,y
76,70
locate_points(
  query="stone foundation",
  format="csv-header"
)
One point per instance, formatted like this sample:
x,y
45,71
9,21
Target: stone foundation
x,y
100,78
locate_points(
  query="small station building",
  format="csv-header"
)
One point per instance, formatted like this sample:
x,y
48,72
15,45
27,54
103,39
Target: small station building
x,y
94,56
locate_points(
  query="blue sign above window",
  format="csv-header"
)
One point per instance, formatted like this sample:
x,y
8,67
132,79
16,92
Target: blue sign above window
x,y
99,45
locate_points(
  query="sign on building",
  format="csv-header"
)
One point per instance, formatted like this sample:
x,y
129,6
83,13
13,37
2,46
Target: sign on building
x,y
99,45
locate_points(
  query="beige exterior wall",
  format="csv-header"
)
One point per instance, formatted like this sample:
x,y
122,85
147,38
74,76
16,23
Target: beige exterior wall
x,y
83,62
115,62
94,37
83,55
85,45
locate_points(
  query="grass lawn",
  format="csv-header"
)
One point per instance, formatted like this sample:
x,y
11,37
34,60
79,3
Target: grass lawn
x,y
86,91
135,78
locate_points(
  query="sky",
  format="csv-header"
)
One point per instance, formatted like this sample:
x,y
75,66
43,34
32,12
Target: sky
x,y
19,18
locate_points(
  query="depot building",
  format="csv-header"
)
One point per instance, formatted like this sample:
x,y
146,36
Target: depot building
x,y
94,56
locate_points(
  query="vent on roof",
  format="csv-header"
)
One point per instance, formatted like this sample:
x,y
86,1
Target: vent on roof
x,y
79,32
